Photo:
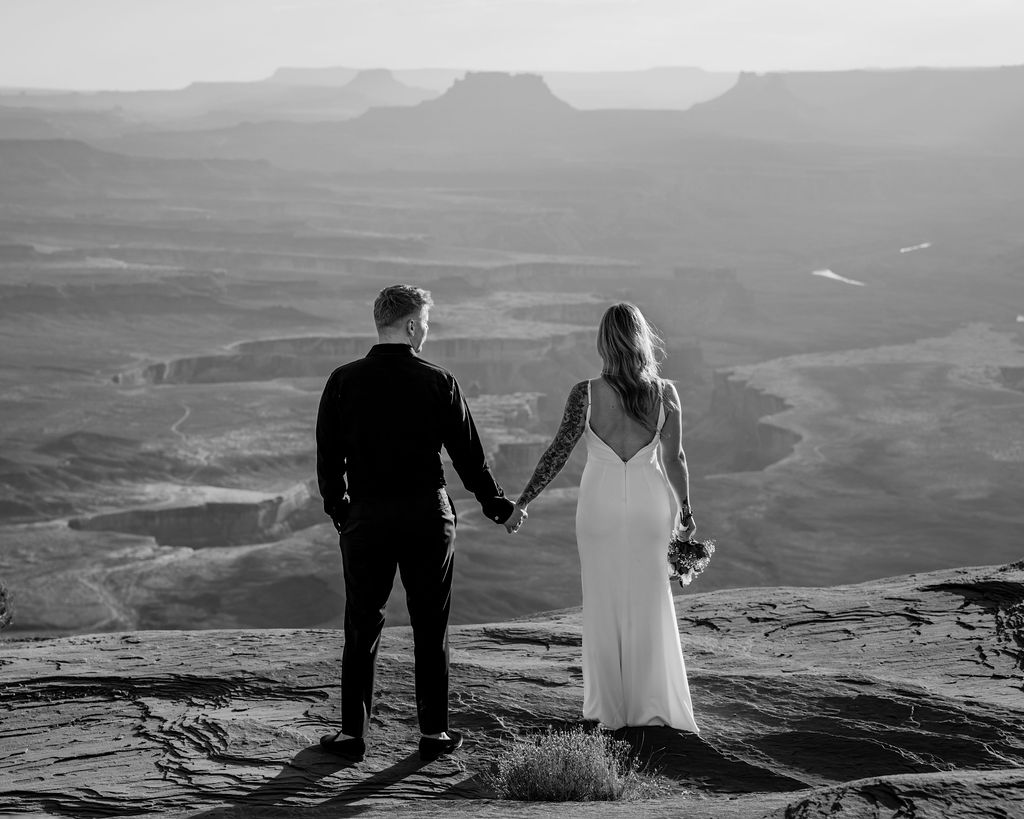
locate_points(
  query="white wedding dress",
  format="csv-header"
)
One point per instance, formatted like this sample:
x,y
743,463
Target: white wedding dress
x,y
633,669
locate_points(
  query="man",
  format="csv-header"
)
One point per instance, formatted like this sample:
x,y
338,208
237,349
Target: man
x,y
382,422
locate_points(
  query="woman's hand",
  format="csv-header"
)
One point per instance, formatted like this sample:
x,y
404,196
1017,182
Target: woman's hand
x,y
687,523
516,519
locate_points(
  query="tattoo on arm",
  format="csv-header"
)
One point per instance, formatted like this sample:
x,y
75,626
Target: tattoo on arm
x,y
569,432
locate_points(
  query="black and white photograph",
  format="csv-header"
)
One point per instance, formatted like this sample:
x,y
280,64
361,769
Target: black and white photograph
x,y
451,408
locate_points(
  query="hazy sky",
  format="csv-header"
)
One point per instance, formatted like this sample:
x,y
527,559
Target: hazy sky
x,y
169,43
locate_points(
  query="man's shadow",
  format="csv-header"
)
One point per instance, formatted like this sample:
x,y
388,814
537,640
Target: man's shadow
x,y
307,768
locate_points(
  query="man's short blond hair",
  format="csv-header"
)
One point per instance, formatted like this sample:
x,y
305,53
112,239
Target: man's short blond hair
x,y
397,302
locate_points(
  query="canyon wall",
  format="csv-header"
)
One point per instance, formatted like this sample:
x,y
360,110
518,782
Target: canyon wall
x,y
215,523
1012,377
737,409
375,258
483,365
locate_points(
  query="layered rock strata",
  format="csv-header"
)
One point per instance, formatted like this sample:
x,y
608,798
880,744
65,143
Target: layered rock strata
x,y
494,365
215,523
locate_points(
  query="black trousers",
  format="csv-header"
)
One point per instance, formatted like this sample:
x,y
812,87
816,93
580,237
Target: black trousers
x,y
416,536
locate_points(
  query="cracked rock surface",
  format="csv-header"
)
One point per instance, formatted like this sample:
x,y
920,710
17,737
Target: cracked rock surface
x,y
898,697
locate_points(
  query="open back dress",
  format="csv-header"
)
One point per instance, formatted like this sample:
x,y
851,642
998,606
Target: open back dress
x,y
633,668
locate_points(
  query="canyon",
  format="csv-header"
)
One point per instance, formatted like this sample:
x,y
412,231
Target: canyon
x,y
771,463
171,302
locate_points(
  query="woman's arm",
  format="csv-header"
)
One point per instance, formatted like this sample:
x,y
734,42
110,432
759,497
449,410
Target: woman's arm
x,y
569,432
674,458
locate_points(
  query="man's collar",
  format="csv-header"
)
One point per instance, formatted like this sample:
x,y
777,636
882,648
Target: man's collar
x,y
391,349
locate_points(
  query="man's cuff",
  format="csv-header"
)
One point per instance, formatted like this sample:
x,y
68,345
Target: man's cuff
x,y
498,509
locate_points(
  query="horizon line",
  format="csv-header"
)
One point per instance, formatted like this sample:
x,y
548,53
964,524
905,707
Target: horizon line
x,y
539,72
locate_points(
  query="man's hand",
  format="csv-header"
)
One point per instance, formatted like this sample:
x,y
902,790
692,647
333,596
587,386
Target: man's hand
x,y
516,520
339,513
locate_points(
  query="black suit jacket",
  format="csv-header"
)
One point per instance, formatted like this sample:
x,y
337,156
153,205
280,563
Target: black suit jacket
x,y
381,425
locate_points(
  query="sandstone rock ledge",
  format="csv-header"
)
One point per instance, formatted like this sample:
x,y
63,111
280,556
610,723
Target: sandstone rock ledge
x,y
899,697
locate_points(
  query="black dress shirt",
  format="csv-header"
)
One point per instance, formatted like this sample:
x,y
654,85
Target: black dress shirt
x,y
382,422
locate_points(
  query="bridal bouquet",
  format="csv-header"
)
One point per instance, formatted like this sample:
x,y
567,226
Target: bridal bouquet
x,y
688,558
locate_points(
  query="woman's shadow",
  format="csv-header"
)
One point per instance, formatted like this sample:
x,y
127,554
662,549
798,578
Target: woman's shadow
x,y
304,771
694,760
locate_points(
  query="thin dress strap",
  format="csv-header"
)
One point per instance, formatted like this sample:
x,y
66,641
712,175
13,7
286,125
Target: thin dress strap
x,y
661,413
588,401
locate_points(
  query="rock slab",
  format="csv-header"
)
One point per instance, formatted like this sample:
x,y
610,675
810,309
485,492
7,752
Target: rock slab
x,y
898,697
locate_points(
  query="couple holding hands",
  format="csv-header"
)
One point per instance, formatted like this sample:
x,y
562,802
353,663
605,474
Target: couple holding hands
x,y
382,422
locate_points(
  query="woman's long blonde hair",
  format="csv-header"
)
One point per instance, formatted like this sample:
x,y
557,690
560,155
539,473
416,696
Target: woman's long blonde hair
x,y
630,347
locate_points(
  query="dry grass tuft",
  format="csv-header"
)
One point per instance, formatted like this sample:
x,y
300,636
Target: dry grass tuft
x,y
573,766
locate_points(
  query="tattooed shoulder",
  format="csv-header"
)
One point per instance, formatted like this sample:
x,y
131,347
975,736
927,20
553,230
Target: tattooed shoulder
x,y
569,432
576,406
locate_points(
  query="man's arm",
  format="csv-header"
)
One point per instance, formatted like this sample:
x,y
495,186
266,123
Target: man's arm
x,y
467,452
330,455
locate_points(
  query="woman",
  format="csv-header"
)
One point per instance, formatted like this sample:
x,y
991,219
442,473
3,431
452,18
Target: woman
x,y
633,669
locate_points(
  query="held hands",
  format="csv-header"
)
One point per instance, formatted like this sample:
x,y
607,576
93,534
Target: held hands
x,y
516,519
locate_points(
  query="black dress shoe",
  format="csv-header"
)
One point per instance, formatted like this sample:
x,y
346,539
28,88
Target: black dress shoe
x,y
353,749
431,749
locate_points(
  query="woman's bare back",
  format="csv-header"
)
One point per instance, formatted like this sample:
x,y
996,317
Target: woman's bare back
x,y
613,425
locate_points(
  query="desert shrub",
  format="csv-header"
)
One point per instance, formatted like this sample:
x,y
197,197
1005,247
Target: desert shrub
x,y
572,766
6,612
